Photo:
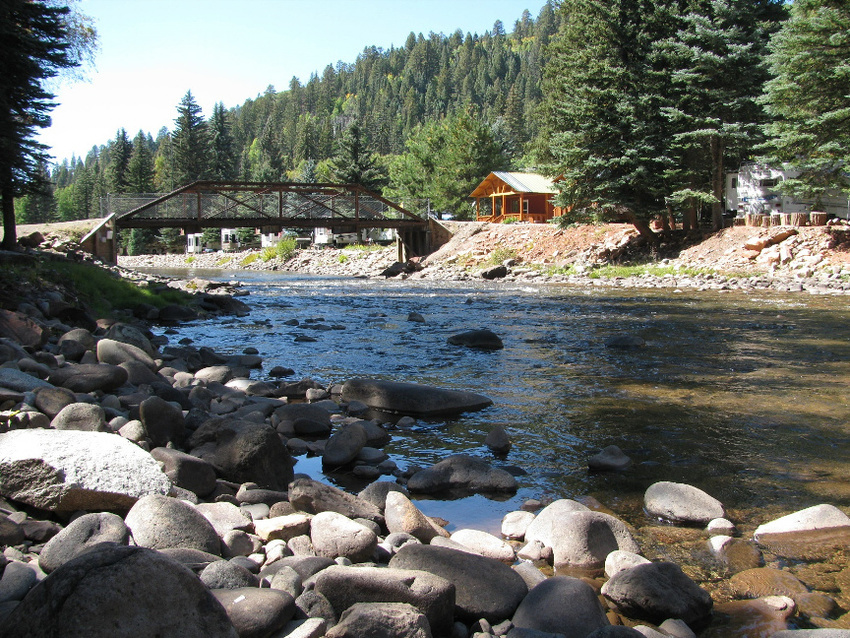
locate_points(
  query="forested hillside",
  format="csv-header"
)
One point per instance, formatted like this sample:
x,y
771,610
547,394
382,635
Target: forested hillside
x,y
486,88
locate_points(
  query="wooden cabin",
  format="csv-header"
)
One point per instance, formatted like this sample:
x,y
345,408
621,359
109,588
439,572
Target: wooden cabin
x,y
523,197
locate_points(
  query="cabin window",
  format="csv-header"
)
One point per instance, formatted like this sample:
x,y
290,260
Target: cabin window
x,y
525,207
514,206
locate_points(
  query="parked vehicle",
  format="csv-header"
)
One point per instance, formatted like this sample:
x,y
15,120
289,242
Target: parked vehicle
x,y
754,190
326,237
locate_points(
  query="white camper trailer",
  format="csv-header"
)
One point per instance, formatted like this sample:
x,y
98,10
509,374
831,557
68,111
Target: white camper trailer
x,y
754,190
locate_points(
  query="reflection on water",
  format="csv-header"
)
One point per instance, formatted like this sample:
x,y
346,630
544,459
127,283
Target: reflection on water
x,y
743,395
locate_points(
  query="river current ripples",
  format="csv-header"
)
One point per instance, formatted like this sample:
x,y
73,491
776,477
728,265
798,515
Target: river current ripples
x,y
742,395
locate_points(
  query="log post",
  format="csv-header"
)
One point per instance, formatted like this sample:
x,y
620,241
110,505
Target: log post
x,y
817,218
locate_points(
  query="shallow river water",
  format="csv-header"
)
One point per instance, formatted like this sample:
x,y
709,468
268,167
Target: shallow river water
x,y
743,395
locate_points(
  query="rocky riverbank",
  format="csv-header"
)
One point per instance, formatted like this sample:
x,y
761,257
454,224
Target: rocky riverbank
x,y
148,489
814,260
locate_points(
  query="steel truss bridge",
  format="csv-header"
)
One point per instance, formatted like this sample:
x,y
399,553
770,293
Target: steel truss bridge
x,y
271,207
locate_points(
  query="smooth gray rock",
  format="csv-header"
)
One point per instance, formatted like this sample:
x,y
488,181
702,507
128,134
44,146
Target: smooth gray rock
x,y
51,400
72,470
561,605
376,493
484,543
254,612
334,535
17,580
411,398
88,377
223,574
138,373
402,515
478,339
288,580
307,495
126,333
463,473
160,522
680,502
387,620
20,381
82,535
430,594
215,374
88,596
484,587
344,445
584,540
11,533
657,591
87,417
186,471
312,604
117,352
542,529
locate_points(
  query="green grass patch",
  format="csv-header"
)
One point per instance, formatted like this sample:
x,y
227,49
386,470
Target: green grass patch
x,y
653,270
103,290
500,255
342,258
190,259
365,247
223,260
249,259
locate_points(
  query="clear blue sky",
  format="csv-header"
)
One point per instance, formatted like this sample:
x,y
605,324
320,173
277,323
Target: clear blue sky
x,y
153,51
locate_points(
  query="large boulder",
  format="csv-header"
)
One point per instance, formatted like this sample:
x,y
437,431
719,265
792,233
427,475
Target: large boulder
x,y
303,419
411,398
561,605
463,473
550,518
307,495
88,377
484,587
584,539
681,503
344,446
118,352
119,591
72,470
430,594
126,333
82,535
657,591
161,522
252,452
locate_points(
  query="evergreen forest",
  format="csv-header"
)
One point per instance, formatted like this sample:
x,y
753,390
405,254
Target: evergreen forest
x,y
638,106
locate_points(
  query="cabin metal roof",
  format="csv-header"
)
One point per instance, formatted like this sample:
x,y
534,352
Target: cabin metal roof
x,y
516,182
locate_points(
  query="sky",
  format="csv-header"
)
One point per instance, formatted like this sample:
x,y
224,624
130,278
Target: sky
x,y
151,52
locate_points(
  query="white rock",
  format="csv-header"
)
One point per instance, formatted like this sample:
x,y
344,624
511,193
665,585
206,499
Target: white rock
x,y
619,559
718,543
514,524
813,518
549,518
721,526
484,544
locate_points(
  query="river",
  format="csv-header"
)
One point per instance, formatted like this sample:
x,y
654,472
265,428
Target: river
x,y
744,395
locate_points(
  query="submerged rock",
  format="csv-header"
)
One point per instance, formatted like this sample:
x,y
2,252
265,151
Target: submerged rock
x,y
479,339
679,502
411,398
463,473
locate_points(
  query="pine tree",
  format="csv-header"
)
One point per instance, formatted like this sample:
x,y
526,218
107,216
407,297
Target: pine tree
x,y
119,154
34,46
223,147
810,96
354,163
603,112
717,58
140,168
190,143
